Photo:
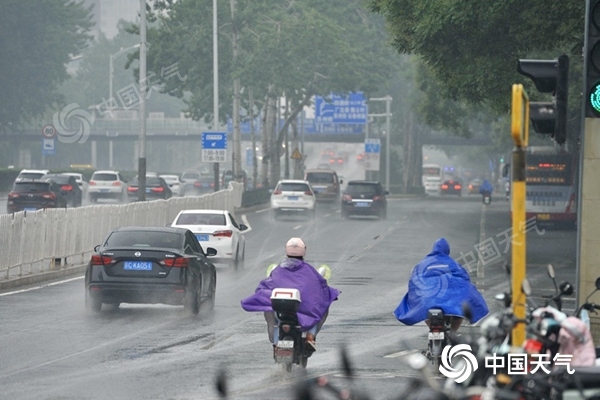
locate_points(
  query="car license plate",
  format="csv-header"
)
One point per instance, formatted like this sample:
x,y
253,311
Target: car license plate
x,y
138,266
202,238
103,190
30,209
292,197
148,190
543,217
205,185
285,344
436,335
361,204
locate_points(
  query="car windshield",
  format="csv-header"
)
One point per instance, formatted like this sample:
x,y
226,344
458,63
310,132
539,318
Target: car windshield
x,y
162,239
31,175
319,177
200,219
293,187
361,188
104,177
22,187
60,179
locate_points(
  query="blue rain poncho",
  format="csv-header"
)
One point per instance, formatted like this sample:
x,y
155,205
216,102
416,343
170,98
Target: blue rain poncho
x,y
439,282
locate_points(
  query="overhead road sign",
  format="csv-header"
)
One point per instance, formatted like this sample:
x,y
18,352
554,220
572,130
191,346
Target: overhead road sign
x,y
351,109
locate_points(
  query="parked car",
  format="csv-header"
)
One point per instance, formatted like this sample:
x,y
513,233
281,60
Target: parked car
x,y
473,187
69,188
217,229
107,185
292,196
83,184
451,187
32,195
31,174
156,188
151,265
204,184
362,197
325,184
176,185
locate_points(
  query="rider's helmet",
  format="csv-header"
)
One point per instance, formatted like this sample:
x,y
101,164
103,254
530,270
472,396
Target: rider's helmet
x,y
295,247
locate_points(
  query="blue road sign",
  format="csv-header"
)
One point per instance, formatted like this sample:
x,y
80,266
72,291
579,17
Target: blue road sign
x,y
214,140
372,146
351,109
48,146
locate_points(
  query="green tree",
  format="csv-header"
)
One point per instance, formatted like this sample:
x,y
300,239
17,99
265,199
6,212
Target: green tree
x,y
37,40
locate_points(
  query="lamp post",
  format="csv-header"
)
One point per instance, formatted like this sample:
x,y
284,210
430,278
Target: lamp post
x,y
111,68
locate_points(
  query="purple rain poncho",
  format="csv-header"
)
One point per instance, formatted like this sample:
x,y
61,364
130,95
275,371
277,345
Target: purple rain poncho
x,y
315,294
439,282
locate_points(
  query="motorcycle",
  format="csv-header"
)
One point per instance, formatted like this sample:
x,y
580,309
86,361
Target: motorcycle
x,y
291,348
487,197
439,327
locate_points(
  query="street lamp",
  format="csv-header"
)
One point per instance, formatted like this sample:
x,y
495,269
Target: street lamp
x,y
111,68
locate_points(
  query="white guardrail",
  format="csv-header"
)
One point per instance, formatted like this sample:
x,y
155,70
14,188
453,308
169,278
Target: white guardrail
x,y
55,238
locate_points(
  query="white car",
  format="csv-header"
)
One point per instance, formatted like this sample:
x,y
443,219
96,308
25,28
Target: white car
x,y
189,177
432,185
107,185
217,229
83,184
31,174
176,185
292,196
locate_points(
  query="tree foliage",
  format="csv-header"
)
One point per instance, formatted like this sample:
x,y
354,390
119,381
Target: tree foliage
x,y
37,40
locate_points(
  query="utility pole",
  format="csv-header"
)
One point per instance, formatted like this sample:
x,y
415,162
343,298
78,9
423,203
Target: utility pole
x,y
388,99
142,138
237,146
215,89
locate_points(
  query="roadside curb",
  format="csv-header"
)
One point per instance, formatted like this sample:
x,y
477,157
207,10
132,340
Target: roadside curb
x,y
43,277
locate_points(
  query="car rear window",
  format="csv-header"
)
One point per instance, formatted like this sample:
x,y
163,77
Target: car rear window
x,y
293,187
320,177
168,240
104,177
201,219
22,187
60,179
31,175
364,188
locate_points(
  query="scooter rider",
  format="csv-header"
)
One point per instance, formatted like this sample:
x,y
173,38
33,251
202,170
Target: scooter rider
x,y
486,187
294,272
438,281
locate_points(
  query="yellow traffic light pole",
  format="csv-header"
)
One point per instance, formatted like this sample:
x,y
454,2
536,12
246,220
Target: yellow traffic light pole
x,y
520,135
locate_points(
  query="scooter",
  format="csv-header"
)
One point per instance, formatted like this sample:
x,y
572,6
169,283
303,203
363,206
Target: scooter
x,y
487,198
291,347
439,326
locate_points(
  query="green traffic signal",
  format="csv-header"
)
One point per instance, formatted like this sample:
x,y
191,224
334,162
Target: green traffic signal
x,y
594,98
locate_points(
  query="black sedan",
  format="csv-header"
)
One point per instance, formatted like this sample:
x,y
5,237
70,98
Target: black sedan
x,y
364,198
156,188
35,195
69,188
151,265
451,187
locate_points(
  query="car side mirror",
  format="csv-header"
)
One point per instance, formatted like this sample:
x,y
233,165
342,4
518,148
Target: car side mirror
x,y
96,247
210,251
243,227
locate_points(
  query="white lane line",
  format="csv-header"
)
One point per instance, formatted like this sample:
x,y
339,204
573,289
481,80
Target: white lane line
x,y
262,211
41,286
297,227
327,215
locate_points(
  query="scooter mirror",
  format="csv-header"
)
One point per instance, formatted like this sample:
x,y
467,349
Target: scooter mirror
x,y
566,288
526,287
598,283
551,272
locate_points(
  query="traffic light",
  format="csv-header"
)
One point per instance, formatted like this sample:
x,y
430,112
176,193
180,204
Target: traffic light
x,y
550,76
592,60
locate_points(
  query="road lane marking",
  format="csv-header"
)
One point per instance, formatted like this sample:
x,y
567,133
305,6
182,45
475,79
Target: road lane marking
x,y
41,286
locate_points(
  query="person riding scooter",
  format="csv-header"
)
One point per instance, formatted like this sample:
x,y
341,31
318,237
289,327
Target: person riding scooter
x,y
293,272
486,189
439,282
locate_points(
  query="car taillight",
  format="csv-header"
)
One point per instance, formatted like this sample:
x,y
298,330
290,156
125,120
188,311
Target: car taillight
x,y
331,161
308,193
132,189
212,184
49,195
346,197
158,189
117,183
457,187
66,188
197,184
277,192
13,195
444,186
179,262
470,186
225,233
92,183
101,260
377,198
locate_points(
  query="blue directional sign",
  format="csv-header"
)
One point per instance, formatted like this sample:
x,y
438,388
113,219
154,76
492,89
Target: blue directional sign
x,y
214,146
48,146
372,158
372,146
351,109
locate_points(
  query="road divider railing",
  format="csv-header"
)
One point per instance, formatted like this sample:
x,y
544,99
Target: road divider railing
x,y
35,242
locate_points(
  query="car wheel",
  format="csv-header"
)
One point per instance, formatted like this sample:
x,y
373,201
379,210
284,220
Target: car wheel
x,y
92,304
191,302
238,262
209,303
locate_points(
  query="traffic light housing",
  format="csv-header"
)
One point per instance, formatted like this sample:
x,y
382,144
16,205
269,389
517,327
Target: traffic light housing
x,y
550,76
592,60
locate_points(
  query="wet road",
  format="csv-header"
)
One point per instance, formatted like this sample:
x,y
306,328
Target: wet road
x,y
52,349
